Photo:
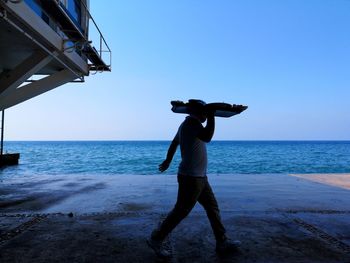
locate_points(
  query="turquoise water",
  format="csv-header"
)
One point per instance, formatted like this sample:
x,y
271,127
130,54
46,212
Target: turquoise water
x,y
143,157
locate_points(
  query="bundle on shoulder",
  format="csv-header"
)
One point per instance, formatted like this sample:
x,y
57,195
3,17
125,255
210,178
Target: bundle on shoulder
x,y
220,109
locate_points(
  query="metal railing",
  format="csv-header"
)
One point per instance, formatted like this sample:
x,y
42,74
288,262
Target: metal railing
x,y
103,46
103,50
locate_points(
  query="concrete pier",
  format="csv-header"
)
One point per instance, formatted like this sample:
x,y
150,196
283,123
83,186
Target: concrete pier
x,y
100,218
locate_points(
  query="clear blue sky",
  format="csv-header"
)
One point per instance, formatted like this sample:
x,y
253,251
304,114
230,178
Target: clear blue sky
x,y
289,61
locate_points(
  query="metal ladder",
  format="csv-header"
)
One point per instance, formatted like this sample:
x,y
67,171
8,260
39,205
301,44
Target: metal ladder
x,y
2,131
7,158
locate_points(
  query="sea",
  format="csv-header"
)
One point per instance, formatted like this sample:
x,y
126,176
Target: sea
x,y
143,157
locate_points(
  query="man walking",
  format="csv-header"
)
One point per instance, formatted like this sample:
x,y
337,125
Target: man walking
x,y
192,179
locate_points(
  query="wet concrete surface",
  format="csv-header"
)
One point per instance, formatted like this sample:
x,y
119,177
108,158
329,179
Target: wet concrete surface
x,y
278,218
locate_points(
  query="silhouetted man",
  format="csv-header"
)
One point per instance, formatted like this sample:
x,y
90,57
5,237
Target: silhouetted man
x,y
192,179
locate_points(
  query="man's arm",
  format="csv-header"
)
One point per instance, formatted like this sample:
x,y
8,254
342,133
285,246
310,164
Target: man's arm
x,y
169,157
207,132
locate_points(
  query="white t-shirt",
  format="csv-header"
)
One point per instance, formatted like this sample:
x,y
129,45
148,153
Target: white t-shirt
x,y
193,150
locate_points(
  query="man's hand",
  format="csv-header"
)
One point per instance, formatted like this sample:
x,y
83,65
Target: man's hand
x,y
209,112
164,166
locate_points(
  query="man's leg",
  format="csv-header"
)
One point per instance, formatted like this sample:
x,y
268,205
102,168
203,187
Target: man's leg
x,y
190,189
208,201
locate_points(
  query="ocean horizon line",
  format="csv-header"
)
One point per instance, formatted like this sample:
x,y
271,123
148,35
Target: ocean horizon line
x,y
164,140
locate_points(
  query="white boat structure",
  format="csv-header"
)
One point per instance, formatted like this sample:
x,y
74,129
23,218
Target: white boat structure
x,y
45,44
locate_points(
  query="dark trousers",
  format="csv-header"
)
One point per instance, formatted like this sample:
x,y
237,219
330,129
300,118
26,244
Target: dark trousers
x,y
191,190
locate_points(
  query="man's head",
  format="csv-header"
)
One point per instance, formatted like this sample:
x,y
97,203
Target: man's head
x,y
196,108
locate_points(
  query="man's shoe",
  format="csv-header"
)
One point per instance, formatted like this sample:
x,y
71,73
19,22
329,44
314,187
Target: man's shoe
x,y
160,247
227,246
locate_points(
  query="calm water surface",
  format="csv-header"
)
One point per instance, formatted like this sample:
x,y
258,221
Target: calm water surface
x,y
143,157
